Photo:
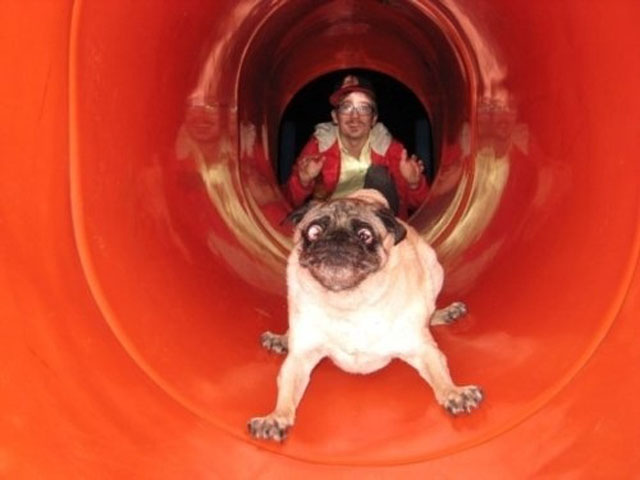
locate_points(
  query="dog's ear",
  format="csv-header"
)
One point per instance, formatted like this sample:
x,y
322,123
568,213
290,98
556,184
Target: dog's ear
x,y
392,224
297,214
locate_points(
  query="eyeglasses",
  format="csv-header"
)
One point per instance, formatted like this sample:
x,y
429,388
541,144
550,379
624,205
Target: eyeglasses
x,y
363,109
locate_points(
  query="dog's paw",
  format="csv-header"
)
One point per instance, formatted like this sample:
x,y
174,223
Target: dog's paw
x,y
268,428
274,342
463,399
448,315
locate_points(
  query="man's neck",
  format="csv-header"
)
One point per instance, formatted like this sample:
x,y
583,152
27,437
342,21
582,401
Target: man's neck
x,y
353,145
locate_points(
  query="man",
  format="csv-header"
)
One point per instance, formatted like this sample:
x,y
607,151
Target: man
x,y
353,152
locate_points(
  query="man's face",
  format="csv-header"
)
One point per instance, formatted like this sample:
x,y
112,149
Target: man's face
x,y
355,116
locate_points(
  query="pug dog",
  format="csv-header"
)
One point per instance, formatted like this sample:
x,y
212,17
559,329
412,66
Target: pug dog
x,y
362,288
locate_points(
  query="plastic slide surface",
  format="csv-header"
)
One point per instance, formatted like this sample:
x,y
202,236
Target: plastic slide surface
x,y
142,252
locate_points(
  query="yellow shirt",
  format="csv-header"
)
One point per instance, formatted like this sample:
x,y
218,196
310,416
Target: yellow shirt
x,y
352,169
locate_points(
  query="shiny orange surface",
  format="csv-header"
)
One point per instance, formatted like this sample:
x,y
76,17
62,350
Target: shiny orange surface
x,y
142,253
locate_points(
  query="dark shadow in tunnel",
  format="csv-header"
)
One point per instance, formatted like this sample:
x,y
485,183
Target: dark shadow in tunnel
x,y
399,109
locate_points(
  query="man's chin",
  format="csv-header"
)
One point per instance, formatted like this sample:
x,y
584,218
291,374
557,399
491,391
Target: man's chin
x,y
355,133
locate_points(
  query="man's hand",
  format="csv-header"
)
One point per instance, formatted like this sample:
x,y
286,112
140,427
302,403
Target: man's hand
x,y
411,169
309,168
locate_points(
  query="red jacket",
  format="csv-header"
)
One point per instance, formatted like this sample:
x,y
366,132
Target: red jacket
x,y
385,151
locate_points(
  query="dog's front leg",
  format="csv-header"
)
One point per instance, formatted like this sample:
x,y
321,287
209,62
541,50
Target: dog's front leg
x,y
292,382
431,364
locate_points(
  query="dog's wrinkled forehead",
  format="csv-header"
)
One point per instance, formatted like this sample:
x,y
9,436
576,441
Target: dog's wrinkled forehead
x,y
342,212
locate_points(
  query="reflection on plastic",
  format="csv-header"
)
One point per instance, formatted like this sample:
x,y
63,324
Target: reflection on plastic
x,y
206,140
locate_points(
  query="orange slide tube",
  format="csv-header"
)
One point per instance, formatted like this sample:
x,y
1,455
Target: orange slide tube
x,y
142,251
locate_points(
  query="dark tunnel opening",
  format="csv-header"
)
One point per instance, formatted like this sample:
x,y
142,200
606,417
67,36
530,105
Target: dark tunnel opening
x,y
400,111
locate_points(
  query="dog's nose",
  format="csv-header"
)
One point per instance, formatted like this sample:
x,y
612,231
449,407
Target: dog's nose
x,y
339,236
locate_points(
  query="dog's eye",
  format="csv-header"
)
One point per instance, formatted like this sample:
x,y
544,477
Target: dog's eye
x,y
365,235
314,231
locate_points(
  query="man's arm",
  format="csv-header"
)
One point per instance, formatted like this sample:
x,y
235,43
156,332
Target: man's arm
x,y
297,192
416,196
413,194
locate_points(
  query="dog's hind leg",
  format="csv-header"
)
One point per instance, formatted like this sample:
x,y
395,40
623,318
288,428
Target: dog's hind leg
x,y
448,315
275,343
431,364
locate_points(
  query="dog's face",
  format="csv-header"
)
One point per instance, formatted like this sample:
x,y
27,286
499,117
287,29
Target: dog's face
x,y
344,241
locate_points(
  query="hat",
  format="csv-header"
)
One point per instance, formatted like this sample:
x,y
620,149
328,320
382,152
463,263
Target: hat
x,y
351,83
